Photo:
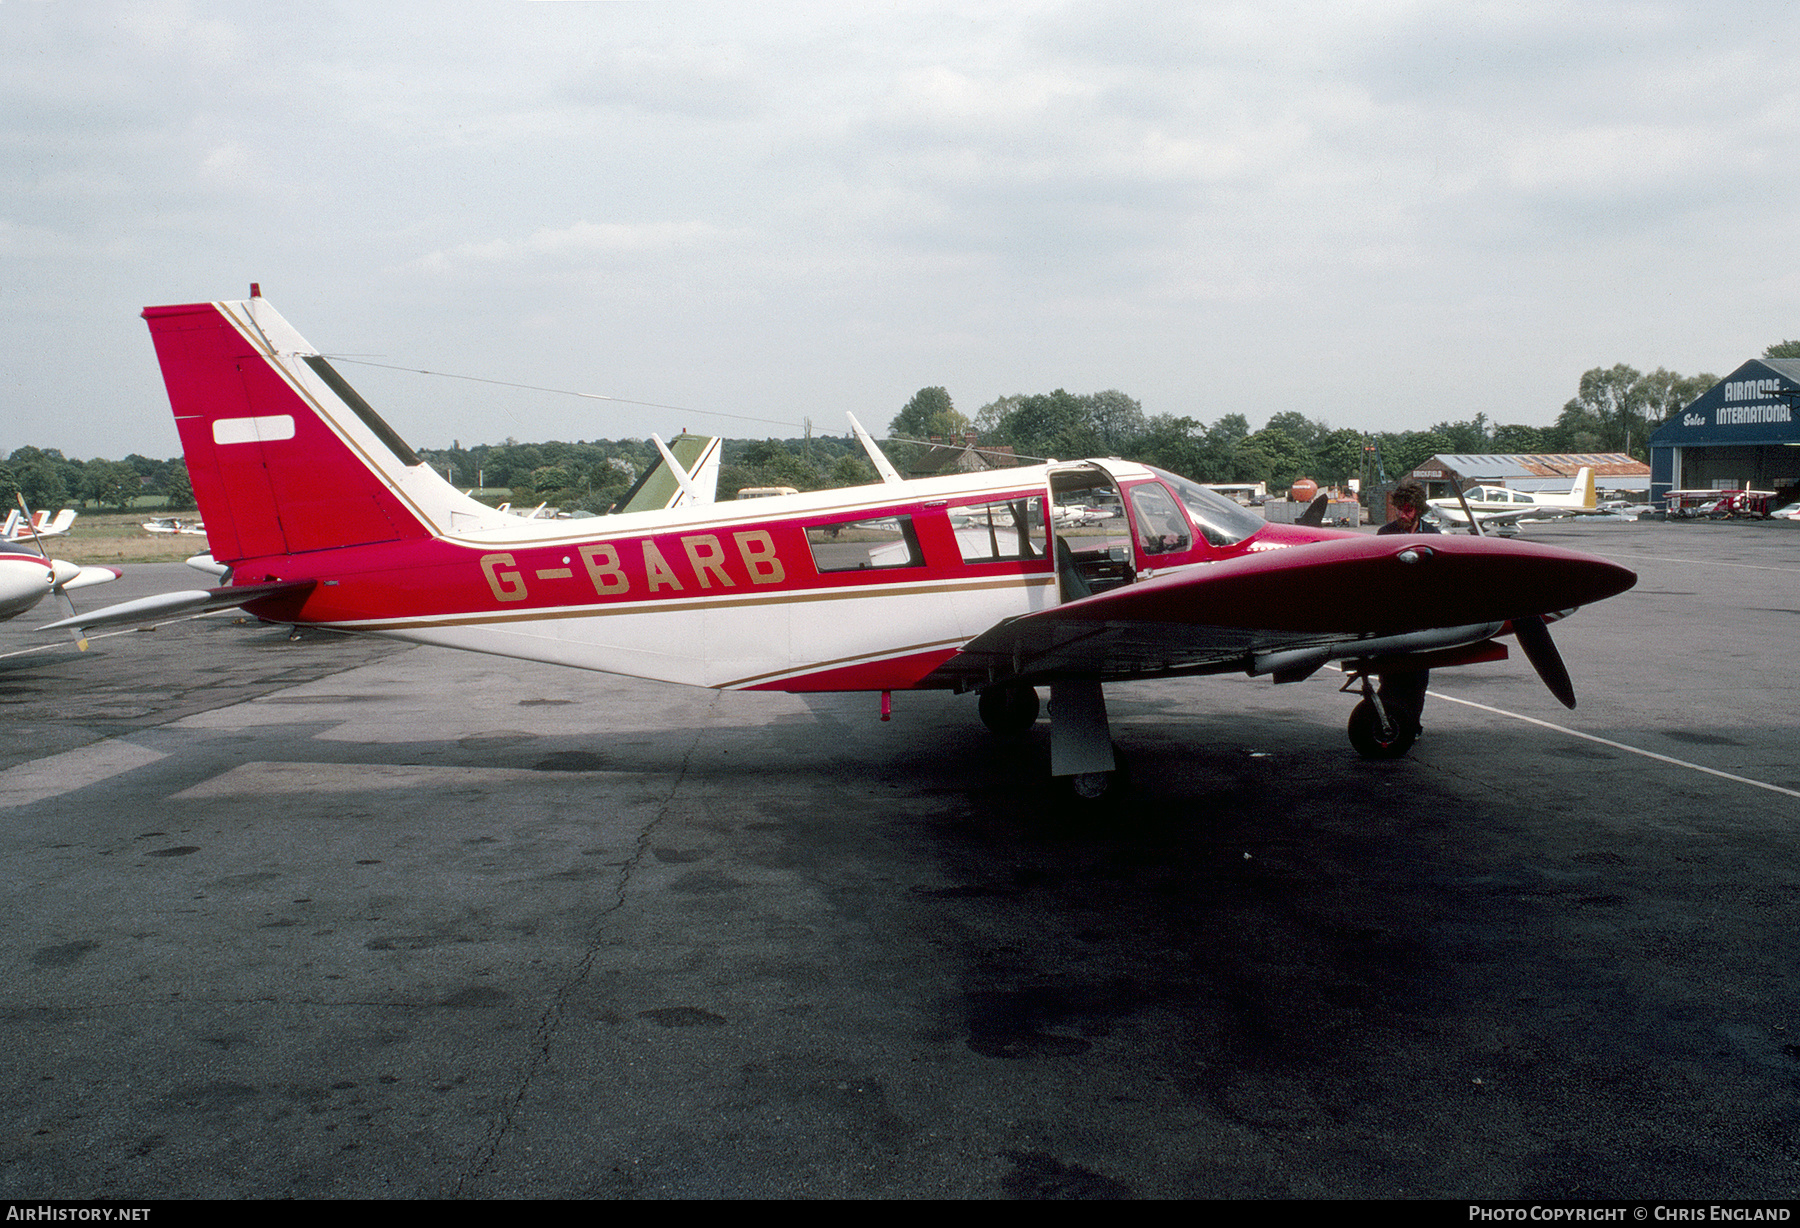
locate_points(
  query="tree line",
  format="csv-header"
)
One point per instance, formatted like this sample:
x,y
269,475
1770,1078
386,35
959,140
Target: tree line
x,y
48,479
1615,409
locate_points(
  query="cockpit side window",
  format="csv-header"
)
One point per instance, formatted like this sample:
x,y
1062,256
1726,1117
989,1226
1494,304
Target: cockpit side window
x,y
1220,521
1161,526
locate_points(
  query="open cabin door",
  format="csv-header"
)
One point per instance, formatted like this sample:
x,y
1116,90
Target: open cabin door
x,y
1092,531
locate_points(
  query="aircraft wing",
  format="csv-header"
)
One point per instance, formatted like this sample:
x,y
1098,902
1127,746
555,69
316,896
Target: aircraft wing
x,y
1451,514
1288,611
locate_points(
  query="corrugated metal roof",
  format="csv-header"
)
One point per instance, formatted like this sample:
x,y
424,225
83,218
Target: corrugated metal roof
x,y
1475,465
1503,465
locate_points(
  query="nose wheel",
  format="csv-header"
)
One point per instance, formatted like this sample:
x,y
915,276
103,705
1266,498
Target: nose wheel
x,y
1374,741
1385,724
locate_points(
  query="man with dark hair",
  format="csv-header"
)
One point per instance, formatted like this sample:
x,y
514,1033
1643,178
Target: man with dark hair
x,y
1403,695
1409,510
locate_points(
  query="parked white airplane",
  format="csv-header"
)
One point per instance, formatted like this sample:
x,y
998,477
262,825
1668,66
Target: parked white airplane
x,y
22,528
1494,505
26,579
165,526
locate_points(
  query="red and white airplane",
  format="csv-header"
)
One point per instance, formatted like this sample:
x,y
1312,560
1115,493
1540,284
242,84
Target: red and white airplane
x,y
967,582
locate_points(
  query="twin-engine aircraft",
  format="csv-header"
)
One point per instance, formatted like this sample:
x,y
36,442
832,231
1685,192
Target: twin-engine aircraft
x,y
967,583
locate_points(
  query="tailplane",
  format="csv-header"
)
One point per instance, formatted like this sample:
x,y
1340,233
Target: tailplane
x,y
283,455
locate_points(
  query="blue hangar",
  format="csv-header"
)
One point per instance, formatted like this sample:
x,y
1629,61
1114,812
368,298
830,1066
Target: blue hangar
x,y
1742,433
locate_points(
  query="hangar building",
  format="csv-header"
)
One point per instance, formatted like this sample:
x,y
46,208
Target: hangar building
x,y
1533,471
1740,434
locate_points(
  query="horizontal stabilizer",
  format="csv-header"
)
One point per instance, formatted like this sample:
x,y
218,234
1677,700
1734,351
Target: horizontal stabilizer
x,y
170,605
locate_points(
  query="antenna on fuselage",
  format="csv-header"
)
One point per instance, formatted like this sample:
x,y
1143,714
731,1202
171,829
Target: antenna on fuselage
x,y
882,465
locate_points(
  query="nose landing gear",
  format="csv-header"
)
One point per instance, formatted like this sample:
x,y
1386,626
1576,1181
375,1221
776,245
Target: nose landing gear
x,y
1386,723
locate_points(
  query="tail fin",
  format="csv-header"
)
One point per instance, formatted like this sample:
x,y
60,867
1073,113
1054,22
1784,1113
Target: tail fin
x,y
698,456
1584,488
284,456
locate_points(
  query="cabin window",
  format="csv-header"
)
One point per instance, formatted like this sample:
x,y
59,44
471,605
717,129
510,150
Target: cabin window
x,y
878,544
1000,530
1161,526
1221,521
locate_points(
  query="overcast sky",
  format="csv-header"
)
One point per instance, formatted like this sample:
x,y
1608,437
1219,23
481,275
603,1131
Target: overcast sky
x,y
1381,214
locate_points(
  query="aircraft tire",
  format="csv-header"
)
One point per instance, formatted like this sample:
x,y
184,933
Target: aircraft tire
x,y
1008,710
1365,735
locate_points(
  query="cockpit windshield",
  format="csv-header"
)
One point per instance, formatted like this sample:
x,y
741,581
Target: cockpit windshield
x,y
1218,518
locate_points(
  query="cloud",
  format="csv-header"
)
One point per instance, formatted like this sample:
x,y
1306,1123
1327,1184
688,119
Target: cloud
x,y
836,198
585,244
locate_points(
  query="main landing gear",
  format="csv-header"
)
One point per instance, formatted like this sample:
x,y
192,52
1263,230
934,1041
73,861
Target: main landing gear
x,y
1386,723
1081,749
1008,710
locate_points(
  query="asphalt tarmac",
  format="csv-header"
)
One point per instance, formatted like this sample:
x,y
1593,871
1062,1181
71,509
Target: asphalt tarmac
x,y
340,918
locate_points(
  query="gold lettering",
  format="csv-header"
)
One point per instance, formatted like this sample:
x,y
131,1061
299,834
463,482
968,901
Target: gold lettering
x,y
708,559
507,585
757,549
657,568
603,569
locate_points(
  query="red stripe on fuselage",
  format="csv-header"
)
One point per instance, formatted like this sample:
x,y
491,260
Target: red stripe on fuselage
x,y
706,564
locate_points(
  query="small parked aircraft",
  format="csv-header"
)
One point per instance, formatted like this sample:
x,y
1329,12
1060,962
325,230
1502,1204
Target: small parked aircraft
x,y
169,526
966,582
22,526
1497,505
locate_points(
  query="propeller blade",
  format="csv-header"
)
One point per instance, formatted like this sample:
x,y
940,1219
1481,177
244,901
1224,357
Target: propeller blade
x,y
68,602
1533,635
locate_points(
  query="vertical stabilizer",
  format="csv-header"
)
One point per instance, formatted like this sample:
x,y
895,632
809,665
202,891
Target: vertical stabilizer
x,y
284,456
697,456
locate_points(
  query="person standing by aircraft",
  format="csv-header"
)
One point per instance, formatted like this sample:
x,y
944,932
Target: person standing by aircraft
x,y
1403,695
1409,507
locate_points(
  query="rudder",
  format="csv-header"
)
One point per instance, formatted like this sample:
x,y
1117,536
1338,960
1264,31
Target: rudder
x,y
283,455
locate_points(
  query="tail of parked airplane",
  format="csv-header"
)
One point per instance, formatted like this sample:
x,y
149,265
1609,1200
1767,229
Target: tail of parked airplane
x,y
283,455
1580,497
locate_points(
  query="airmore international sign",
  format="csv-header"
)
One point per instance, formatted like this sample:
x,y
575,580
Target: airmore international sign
x,y
1749,390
